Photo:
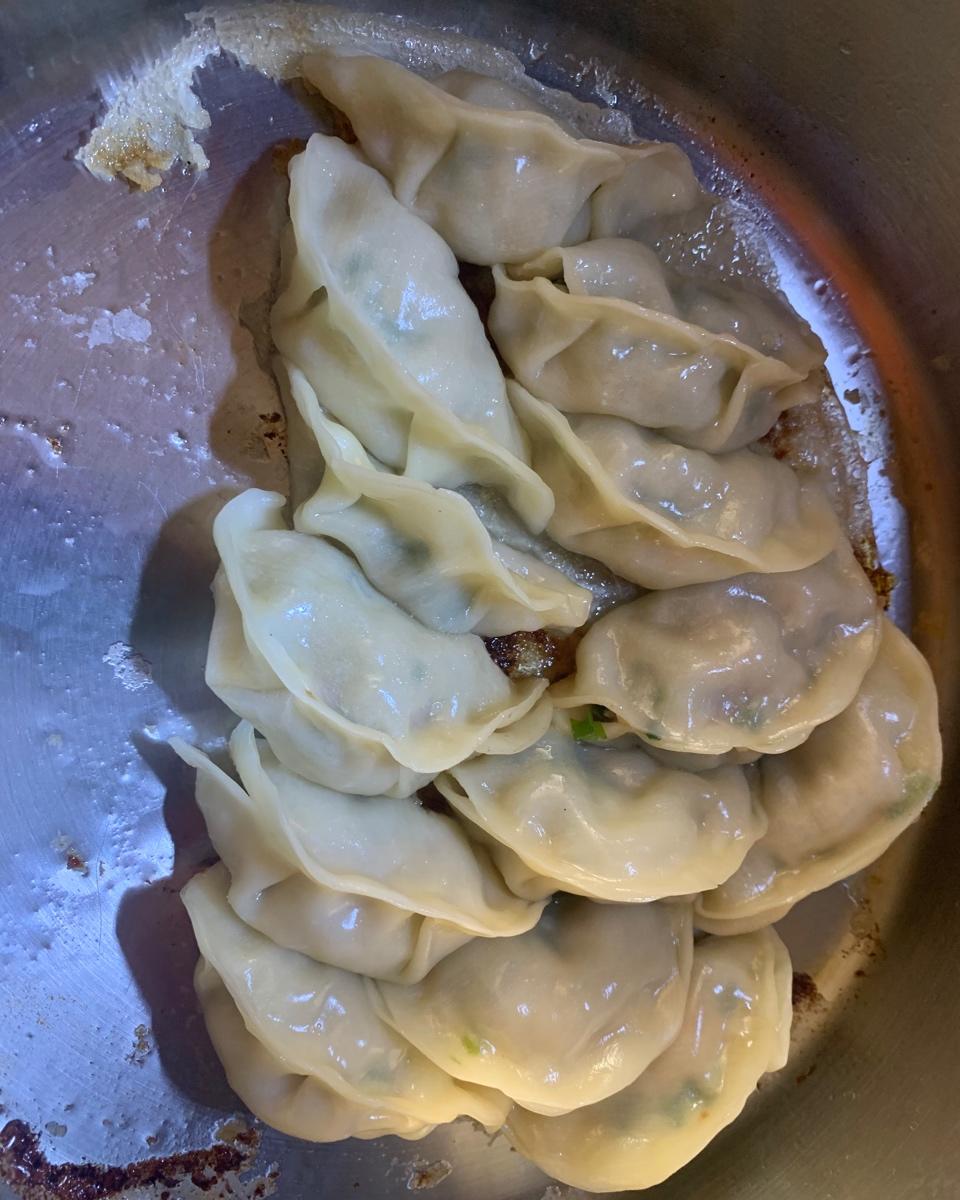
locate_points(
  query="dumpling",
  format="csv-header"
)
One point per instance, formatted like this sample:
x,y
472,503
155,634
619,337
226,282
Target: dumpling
x,y
318,1021
605,821
838,801
664,516
622,269
370,682
753,663
598,353
561,1016
487,91
379,886
497,185
290,1101
736,1028
373,314
657,179
424,547
606,587
239,674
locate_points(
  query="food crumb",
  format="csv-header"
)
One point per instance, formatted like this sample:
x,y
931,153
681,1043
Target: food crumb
x,y
421,1175
76,863
142,1045
130,668
534,654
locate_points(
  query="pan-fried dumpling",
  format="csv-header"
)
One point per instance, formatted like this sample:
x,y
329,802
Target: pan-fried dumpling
x,y
290,1101
752,663
497,185
600,354
487,91
373,314
606,821
375,885
657,181
561,1016
622,269
736,1028
838,801
245,681
657,178
364,675
319,1021
424,547
665,516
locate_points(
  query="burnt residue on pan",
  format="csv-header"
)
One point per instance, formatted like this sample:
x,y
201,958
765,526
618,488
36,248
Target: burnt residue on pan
x,y
806,995
213,1171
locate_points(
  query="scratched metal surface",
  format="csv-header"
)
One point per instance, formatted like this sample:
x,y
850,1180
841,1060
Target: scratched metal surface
x,y
133,403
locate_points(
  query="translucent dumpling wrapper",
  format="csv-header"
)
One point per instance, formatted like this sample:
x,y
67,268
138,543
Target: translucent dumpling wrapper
x,y
736,1028
373,314
606,587
601,354
657,179
245,681
606,821
752,663
319,1021
488,91
837,802
663,515
362,682
523,733
297,1104
561,1016
376,885
424,547
622,269
497,185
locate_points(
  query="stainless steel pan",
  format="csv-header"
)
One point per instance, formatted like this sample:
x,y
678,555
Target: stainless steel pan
x,y
133,400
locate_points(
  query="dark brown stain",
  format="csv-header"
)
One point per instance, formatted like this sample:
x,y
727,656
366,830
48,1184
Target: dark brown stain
x,y
866,933
806,994
341,125
26,1168
272,430
282,152
783,442
882,580
805,1075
